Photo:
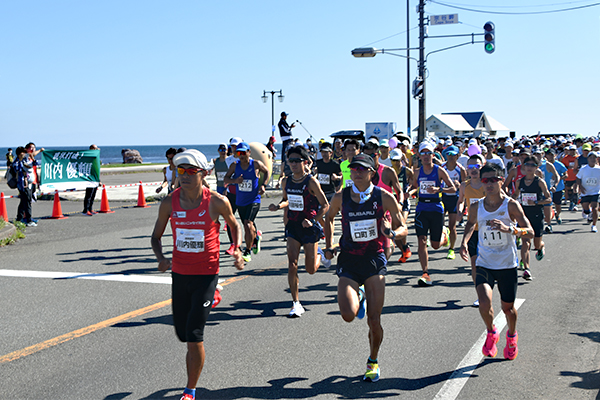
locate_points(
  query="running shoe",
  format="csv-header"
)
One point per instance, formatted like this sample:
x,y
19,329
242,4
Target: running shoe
x,y
87,213
297,310
511,351
521,265
451,255
476,303
372,374
590,219
230,250
424,280
402,258
575,208
31,223
362,308
584,214
548,229
247,256
594,229
489,347
539,255
446,234
527,275
256,247
217,298
326,262
407,253
558,220
187,397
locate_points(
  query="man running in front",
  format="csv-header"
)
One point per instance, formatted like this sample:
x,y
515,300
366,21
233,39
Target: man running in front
x,y
497,253
361,265
194,212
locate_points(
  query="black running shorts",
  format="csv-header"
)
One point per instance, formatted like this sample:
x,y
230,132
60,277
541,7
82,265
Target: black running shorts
x,y
193,296
360,268
506,278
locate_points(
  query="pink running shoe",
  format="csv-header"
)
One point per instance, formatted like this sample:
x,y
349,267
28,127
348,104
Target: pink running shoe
x,y
187,397
511,351
489,347
230,250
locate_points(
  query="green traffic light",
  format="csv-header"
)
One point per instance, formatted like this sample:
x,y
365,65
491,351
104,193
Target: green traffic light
x,y
489,47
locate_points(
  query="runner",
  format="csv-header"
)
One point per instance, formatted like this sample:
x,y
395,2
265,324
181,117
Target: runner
x,y
246,171
552,178
533,194
570,161
450,200
496,256
361,265
195,262
559,187
588,179
351,148
471,191
221,168
306,204
231,189
387,179
429,215
329,174
405,176
168,172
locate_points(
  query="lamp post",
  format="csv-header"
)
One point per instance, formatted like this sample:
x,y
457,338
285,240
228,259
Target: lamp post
x,y
264,98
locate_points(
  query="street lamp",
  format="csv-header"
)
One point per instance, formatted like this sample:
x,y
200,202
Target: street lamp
x,y
264,99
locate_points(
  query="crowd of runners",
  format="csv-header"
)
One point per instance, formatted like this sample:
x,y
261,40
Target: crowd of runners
x,y
507,194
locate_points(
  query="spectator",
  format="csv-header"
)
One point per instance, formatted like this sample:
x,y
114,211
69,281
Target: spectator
x,y
10,158
169,172
90,194
24,167
271,146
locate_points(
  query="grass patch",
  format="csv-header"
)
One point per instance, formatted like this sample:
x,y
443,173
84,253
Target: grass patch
x,y
19,234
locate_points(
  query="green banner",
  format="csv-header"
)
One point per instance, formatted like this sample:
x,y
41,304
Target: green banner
x,y
69,169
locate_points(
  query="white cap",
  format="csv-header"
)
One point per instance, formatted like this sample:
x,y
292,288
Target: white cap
x,y
395,155
235,141
426,145
193,157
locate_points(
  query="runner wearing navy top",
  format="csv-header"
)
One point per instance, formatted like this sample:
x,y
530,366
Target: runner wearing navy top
x,y
194,213
361,265
306,204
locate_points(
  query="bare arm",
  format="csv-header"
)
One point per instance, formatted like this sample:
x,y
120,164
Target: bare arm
x,y
164,213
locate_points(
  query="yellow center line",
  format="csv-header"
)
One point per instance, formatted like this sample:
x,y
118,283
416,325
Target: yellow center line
x,y
15,355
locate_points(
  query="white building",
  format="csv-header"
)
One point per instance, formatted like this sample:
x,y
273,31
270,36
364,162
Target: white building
x,y
464,124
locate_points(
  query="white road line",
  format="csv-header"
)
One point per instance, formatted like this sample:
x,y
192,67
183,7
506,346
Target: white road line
x,y
166,279
463,371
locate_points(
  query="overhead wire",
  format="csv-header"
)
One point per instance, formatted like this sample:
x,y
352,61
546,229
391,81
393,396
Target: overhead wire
x,y
391,36
521,6
514,13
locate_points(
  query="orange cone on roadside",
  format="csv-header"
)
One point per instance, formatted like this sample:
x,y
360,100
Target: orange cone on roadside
x,y
141,198
104,207
57,209
3,212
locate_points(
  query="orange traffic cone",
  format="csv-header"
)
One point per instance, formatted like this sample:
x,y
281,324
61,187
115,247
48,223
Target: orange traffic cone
x,y
104,207
3,212
141,198
57,209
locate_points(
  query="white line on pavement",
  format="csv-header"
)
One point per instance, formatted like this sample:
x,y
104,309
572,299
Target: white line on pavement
x,y
461,374
75,275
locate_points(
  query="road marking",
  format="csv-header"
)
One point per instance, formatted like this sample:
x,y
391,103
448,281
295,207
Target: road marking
x,y
464,370
15,355
165,279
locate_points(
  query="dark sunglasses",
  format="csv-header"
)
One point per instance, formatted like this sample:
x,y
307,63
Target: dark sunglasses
x,y
222,149
426,153
473,166
491,180
295,160
360,168
189,171
241,153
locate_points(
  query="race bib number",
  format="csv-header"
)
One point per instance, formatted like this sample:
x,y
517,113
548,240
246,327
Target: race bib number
x,y
364,231
528,199
591,181
424,185
348,183
190,240
324,179
221,175
572,164
296,202
494,238
245,186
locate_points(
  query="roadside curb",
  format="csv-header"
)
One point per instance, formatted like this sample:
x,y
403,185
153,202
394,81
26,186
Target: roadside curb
x,y
7,231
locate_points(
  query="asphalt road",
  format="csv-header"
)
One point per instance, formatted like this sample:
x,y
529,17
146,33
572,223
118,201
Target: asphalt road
x,y
90,334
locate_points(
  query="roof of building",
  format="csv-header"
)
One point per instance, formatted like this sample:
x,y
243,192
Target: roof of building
x,y
472,118
455,122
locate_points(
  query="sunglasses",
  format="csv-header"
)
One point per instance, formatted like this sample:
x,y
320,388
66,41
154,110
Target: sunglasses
x,y
189,171
530,164
295,160
241,153
360,168
491,180
222,149
426,153
473,166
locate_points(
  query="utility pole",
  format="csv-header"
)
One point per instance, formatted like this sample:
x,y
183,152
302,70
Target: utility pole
x,y
409,128
422,117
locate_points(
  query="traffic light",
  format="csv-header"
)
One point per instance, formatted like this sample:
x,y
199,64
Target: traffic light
x,y
417,89
489,37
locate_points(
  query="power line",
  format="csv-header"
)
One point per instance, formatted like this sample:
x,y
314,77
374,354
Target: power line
x,y
394,35
515,13
520,6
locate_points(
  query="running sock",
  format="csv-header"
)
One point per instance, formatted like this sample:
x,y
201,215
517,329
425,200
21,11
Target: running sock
x,y
190,392
369,360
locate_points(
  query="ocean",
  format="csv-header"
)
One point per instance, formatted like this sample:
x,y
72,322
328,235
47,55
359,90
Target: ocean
x,y
150,154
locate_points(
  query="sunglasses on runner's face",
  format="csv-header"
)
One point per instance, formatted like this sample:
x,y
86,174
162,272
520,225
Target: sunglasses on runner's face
x,y
426,153
491,180
360,168
473,166
295,160
189,171
222,149
241,153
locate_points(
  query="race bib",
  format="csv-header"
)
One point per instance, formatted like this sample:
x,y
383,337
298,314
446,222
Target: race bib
x,y
324,179
348,183
245,186
363,231
492,238
528,199
296,202
592,181
572,164
424,185
190,240
221,175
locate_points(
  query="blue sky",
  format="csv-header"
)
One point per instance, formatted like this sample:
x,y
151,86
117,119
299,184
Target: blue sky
x,y
157,72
